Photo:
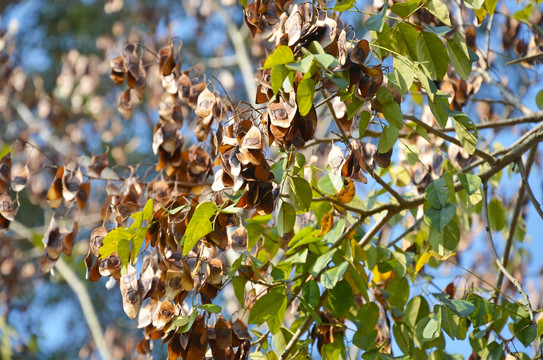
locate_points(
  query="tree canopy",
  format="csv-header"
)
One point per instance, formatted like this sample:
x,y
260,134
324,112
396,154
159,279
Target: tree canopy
x,y
274,179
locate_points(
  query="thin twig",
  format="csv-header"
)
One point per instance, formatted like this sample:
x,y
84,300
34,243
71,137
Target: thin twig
x,y
497,258
516,214
388,188
515,101
531,195
375,228
489,158
525,58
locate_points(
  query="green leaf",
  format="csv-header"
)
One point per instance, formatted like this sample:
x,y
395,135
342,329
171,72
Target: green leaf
x,y
390,108
326,60
459,55
339,81
184,328
474,4
199,225
470,183
439,107
243,3
524,14
304,95
438,219
277,170
299,162
452,324
286,217
321,262
388,138
376,22
484,311
416,309
137,241
445,242
330,184
398,288
439,9
331,276
148,210
437,193
368,315
404,74
403,40
335,233
539,100
353,107
462,308
467,139
406,8
365,117
432,329
238,283
311,293
111,241
278,76
340,298
282,55
342,5
270,308
431,49
496,215
123,251
303,65
300,193
212,308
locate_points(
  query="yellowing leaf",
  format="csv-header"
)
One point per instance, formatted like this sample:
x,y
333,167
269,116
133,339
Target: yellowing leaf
x,y
380,278
422,261
346,195
439,257
327,223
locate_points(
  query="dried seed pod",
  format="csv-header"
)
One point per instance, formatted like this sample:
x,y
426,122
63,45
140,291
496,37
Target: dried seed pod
x,y
54,195
214,271
97,164
205,103
223,333
5,172
118,70
239,239
96,239
174,279
82,196
6,207
70,184
69,239
197,340
240,332
130,292
20,179
126,105
164,314
360,52
53,241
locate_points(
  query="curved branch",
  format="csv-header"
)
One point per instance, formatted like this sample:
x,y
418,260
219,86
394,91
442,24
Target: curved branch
x,y
514,281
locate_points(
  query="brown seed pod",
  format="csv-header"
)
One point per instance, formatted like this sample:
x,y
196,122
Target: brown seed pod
x,y
130,292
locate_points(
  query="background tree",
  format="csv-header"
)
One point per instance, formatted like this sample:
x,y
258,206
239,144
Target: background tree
x,y
316,218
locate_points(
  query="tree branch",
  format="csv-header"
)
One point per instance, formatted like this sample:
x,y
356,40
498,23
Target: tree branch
x,y
497,258
489,158
529,191
79,289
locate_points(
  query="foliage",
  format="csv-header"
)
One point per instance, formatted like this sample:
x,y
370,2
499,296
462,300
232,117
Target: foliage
x,y
248,196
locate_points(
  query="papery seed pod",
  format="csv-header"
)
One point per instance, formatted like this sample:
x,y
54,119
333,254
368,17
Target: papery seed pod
x,y
54,195
126,105
174,279
96,239
82,196
97,164
7,210
205,103
70,184
198,340
214,271
20,179
53,242
118,70
360,52
164,314
240,332
130,293
223,333
69,239
239,239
